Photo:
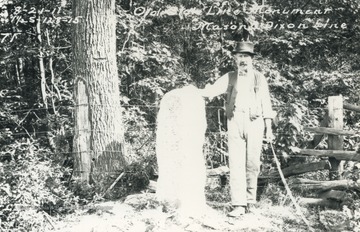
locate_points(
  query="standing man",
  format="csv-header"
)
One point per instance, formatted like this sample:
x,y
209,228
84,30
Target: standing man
x,y
249,113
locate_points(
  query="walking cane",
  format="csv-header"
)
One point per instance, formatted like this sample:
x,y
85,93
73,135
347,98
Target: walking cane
x,y
297,207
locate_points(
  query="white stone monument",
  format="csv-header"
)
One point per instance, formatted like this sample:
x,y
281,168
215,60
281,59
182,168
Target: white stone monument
x,y
181,126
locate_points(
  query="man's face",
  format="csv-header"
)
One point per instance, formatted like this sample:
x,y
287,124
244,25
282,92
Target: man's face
x,y
243,62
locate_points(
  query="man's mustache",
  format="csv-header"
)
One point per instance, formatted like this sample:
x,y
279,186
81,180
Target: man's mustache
x,y
242,63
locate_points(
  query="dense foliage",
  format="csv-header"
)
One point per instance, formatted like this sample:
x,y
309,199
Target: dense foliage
x,y
162,45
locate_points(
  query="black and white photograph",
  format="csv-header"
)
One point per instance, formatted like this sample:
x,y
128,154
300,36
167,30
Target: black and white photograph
x,y
179,116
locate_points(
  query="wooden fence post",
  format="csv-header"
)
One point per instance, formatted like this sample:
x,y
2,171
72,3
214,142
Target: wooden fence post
x,y
335,142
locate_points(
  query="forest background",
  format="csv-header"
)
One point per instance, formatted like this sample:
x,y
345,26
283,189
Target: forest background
x,y
308,50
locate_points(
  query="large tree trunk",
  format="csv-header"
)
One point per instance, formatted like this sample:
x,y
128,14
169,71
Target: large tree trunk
x,y
98,142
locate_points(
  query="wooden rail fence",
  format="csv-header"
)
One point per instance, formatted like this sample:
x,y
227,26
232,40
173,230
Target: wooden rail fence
x,y
332,191
335,131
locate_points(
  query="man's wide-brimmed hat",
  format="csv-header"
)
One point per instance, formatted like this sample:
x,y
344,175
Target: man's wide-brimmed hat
x,y
244,47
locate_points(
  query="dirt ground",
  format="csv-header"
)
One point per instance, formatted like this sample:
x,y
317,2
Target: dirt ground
x,y
141,213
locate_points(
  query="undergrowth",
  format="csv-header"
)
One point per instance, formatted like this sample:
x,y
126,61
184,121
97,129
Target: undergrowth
x,y
31,188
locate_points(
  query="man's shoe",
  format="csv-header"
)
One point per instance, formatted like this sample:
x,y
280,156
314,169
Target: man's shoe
x,y
250,208
237,211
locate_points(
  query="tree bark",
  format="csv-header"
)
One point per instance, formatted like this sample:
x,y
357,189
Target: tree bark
x,y
98,142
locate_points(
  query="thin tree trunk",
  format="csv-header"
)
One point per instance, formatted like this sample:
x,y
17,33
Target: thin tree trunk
x,y
52,74
98,142
41,63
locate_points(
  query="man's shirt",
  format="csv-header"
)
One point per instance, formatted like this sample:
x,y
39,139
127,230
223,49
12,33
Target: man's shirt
x,y
252,96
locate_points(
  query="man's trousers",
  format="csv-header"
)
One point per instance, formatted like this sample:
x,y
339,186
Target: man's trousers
x,y
244,143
